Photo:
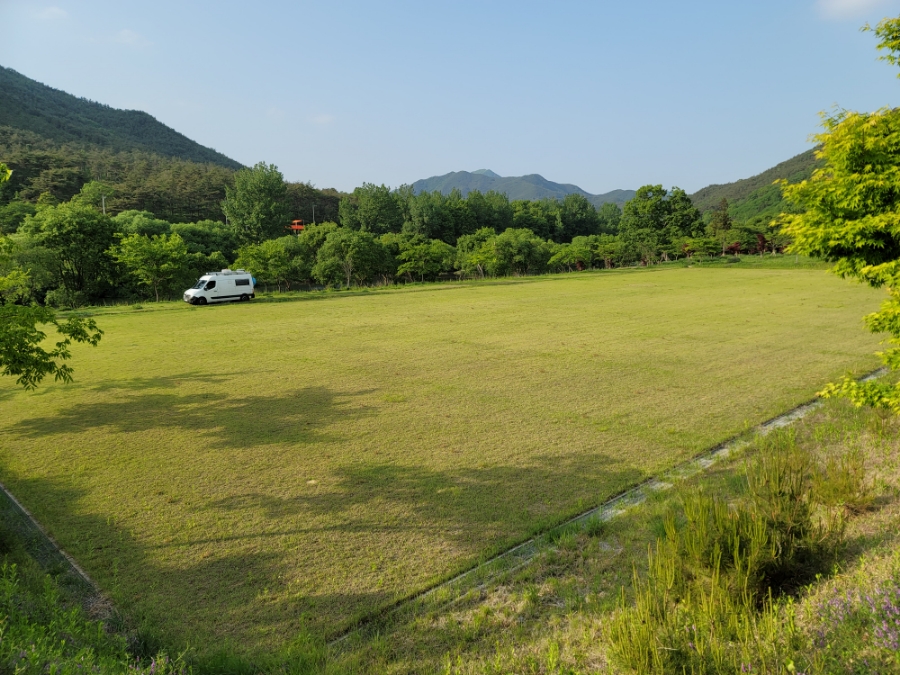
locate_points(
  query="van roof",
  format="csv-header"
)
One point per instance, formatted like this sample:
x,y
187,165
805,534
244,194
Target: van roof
x,y
226,273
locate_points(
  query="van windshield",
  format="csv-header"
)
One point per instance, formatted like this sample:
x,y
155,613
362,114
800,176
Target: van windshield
x,y
199,284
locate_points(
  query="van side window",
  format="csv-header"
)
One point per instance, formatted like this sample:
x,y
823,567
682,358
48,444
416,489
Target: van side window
x,y
241,282
211,284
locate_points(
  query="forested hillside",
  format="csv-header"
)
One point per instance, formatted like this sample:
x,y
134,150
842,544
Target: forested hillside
x,y
532,186
63,118
174,189
757,196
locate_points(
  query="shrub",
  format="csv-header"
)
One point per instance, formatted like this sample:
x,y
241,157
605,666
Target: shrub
x,y
713,600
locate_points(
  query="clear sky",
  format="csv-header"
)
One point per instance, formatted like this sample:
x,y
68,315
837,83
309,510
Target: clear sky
x,y
602,94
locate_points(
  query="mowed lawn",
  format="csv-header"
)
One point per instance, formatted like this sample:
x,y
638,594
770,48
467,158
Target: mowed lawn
x,y
242,473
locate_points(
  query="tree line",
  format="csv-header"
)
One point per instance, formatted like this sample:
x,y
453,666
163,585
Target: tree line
x,y
81,251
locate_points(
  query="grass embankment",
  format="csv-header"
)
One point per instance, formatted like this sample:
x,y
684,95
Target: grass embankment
x,y
237,475
45,627
555,615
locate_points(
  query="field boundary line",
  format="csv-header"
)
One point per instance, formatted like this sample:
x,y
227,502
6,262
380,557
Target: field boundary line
x,y
521,554
43,548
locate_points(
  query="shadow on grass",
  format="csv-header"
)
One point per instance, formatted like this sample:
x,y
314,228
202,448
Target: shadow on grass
x,y
460,501
299,416
162,381
240,596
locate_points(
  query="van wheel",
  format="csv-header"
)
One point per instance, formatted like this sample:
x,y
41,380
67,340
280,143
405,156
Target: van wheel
x,y
244,298
201,301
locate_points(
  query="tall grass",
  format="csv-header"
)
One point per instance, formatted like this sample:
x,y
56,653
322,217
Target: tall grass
x,y
40,634
717,596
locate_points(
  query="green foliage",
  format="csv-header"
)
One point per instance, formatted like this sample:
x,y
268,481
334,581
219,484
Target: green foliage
x,y
577,255
518,251
153,260
541,217
347,256
279,261
170,188
176,190
758,196
609,215
423,259
710,600
21,353
257,204
609,249
474,252
207,237
655,223
883,397
720,224
141,222
532,187
41,634
491,209
311,205
447,217
13,214
371,208
888,31
578,218
851,212
841,482
643,222
79,237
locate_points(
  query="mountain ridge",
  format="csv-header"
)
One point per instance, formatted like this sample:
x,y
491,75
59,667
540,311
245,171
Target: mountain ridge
x,y
530,186
64,118
758,196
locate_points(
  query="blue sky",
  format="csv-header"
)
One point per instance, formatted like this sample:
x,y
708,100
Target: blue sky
x,y
605,95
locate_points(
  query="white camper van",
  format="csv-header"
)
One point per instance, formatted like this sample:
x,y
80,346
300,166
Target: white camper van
x,y
221,287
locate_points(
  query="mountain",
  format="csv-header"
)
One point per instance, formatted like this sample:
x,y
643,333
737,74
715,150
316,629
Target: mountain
x,y
55,143
532,186
757,196
62,118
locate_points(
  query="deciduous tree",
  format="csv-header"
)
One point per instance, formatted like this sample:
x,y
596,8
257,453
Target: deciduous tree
x,y
720,224
257,205
21,353
79,237
153,260
347,256
425,258
372,208
851,216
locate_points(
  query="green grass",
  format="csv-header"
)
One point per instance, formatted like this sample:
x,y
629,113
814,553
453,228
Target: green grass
x,y
553,615
241,475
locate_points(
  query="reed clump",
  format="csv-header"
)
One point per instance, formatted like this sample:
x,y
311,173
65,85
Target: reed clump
x,y
717,596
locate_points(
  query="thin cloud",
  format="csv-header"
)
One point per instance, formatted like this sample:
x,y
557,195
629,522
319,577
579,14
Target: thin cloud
x,y
848,9
131,38
52,13
322,119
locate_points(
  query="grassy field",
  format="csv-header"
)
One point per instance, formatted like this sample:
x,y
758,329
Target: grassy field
x,y
243,473
552,616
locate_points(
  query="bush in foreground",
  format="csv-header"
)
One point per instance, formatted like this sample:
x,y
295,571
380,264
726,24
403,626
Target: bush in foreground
x,y
717,594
